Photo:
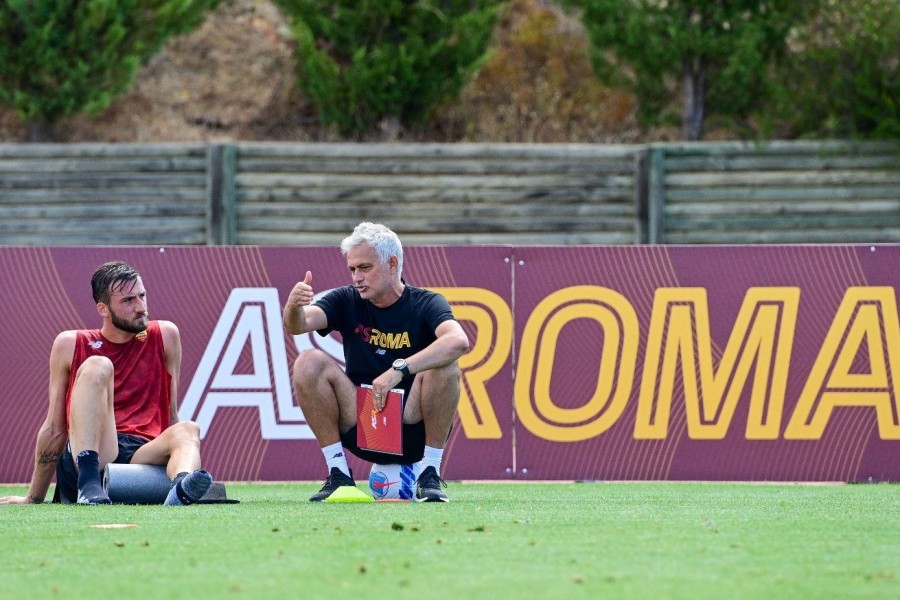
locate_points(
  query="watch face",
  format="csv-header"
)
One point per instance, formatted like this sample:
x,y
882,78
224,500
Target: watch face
x,y
399,363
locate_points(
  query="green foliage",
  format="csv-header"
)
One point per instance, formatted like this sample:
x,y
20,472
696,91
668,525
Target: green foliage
x,y
61,57
655,46
843,78
363,60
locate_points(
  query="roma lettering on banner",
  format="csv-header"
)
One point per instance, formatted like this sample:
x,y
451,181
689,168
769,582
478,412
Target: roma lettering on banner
x,y
762,337
866,325
621,333
760,342
251,316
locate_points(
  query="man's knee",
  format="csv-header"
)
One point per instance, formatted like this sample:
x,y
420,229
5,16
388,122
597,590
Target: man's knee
x,y
446,376
187,432
311,364
442,383
96,370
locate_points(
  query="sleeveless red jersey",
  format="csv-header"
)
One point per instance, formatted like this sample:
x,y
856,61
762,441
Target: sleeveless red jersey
x,y
142,385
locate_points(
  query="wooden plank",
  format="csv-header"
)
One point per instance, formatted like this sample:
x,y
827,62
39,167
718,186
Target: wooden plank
x,y
420,151
789,222
244,180
792,179
106,211
90,226
788,148
656,188
438,223
781,163
65,195
729,209
406,166
290,195
99,150
161,238
105,180
117,165
762,194
330,238
487,212
862,236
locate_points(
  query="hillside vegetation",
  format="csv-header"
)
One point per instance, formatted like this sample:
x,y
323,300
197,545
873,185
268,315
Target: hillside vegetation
x,y
234,79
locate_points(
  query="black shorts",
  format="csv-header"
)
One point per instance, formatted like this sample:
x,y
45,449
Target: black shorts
x,y
413,446
67,475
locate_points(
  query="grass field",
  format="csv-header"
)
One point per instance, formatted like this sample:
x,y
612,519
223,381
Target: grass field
x,y
587,540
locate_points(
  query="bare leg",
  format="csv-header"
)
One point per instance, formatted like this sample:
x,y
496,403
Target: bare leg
x,y
92,421
327,397
433,399
178,447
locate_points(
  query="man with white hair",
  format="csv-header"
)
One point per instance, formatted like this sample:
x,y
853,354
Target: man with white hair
x,y
423,362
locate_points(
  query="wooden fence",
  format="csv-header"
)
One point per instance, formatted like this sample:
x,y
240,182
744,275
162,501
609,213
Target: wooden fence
x,y
527,194
103,194
779,192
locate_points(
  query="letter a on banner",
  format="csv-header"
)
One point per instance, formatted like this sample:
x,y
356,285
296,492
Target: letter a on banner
x,y
251,318
866,325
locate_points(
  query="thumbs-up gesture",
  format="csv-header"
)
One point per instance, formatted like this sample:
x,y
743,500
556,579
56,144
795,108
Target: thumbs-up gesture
x,y
302,294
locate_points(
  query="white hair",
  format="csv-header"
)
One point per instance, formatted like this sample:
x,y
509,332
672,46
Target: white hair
x,y
382,240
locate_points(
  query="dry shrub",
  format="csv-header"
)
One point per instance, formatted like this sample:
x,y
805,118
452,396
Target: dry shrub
x,y
537,86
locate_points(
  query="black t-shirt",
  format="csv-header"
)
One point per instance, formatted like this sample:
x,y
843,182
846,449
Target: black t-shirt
x,y
375,337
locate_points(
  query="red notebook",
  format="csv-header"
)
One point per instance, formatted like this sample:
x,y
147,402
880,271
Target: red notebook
x,y
379,431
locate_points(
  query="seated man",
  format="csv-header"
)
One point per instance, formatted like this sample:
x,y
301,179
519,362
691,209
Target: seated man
x,y
113,399
424,364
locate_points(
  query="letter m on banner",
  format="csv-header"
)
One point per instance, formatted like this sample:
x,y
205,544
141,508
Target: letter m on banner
x,y
251,319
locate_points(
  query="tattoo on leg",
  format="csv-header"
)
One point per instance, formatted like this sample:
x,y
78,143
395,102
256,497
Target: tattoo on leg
x,y
48,458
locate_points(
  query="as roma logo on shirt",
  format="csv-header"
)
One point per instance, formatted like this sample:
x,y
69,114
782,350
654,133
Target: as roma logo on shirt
x,y
142,336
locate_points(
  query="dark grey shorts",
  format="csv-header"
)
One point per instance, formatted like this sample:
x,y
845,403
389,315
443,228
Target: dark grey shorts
x,y
67,475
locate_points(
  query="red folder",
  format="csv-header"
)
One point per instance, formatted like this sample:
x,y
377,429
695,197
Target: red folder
x,y
379,431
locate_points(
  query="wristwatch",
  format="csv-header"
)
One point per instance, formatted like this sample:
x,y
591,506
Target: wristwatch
x,y
400,365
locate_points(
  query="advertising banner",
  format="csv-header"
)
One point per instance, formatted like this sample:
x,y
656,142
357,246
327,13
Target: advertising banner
x,y
762,363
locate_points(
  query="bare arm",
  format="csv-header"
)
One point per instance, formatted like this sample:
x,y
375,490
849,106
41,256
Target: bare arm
x,y
451,343
52,436
300,316
172,346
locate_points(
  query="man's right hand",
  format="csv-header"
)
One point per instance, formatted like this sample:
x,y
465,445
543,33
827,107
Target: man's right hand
x,y
17,500
302,294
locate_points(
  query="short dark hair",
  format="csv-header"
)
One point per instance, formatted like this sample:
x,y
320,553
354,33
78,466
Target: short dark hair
x,y
111,277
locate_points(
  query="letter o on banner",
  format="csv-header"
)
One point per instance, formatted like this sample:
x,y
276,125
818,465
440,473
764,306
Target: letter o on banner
x,y
534,405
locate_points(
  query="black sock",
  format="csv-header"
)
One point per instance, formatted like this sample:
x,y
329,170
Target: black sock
x,y
89,483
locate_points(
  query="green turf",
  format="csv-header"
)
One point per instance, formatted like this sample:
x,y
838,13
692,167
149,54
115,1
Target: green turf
x,y
643,540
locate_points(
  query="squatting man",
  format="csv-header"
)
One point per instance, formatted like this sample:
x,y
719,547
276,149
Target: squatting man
x,y
378,299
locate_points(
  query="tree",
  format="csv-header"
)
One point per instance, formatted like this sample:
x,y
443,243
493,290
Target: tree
x,y
62,57
719,50
361,61
842,77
